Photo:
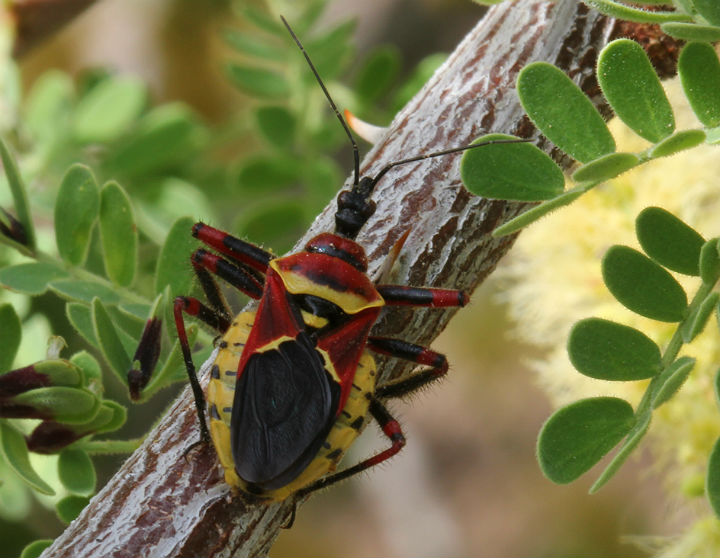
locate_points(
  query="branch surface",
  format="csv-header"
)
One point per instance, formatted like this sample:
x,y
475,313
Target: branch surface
x,y
161,505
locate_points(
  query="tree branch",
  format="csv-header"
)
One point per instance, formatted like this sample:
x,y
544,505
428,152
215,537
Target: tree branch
x,y
160,504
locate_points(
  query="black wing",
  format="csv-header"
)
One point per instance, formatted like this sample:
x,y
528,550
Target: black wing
x,y
285,404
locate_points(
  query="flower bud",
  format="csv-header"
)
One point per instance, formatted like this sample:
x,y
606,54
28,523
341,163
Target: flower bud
x,y
146,357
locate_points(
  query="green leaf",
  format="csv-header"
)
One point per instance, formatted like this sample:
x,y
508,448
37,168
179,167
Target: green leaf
x,y
91,370
109,341
70,507
712,481
60,372
48,105
696,322
686,139
699,70
535,213
84,291
710,261
322,176
258,82
35,548
118,234
277,125
108,109
111,417
129,323
639,429
77,472
328,51
672,379
261,19
308,15
563,112
264,173
713,136
10,336
275,222
669,241
692,32
377,73
76,209
621,11
19,194
63,404
510,171
610,351
577,436
641,285
30,278
252,45
173,267
709,9
640,102
15,452
606,167
166,135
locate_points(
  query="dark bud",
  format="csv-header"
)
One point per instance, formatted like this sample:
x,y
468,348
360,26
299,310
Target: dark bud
x,y
51,437
21,380
10,409
12,228
145,358
46,373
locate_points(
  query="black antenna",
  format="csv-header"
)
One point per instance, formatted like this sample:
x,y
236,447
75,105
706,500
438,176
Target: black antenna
x,y
386,168
356,153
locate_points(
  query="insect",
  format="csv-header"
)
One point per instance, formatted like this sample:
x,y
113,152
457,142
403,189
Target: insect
x,y
294,381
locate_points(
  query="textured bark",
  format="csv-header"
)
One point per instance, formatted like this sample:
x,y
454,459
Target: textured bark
x,y
160,504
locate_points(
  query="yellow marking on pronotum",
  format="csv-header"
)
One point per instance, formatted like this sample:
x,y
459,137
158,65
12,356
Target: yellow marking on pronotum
x,y
351,303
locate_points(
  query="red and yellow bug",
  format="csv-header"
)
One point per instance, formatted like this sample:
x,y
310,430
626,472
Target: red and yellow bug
x,y
294,381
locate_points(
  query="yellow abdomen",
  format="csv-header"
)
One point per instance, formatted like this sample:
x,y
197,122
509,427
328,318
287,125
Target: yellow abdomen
x,y
220,394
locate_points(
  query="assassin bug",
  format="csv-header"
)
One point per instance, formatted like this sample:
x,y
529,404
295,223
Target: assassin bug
x,y
294,381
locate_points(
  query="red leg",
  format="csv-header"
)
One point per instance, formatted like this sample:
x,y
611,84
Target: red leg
x,y
414,353
390,427
399,295
239,276
237,250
